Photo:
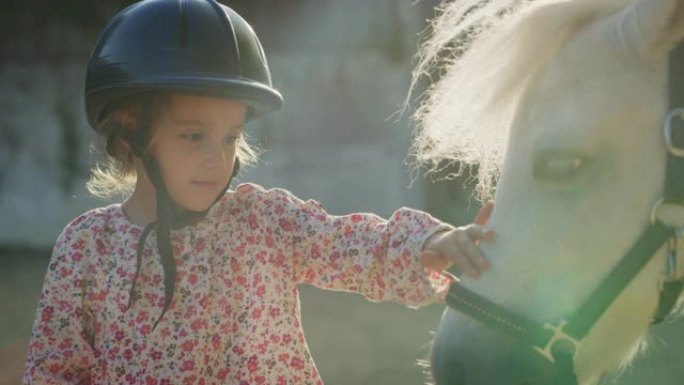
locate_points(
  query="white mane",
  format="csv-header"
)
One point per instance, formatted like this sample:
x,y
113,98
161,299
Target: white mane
x,y
487,53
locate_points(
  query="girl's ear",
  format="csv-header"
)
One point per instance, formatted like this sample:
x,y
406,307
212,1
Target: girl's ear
x,y
653,27
123,143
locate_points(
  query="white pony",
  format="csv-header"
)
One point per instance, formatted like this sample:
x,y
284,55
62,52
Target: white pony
x,y
563,102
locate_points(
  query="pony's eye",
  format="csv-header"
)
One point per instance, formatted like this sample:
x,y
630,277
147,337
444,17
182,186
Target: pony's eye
x,y
557,167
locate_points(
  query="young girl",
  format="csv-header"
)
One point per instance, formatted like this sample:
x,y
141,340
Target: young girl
x,y
188,282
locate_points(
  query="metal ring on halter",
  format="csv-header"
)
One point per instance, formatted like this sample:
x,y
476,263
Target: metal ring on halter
x,y
654,209
674,270
667,132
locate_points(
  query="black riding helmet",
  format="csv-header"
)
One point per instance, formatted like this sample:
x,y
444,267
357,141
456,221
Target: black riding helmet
x,y
197,46
191,46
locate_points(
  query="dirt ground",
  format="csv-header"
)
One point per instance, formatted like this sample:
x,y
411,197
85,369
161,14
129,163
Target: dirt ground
x,y
352,340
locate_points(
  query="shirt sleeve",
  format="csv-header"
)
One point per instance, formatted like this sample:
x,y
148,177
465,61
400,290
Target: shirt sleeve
x,y
364,253
59,351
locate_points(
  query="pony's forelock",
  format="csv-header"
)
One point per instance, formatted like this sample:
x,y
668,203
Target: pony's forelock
x,y
486,53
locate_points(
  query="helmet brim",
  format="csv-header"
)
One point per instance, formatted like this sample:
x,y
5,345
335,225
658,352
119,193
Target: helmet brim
x,y
259,98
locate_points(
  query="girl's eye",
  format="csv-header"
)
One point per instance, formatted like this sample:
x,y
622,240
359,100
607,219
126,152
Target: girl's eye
x,y
193,137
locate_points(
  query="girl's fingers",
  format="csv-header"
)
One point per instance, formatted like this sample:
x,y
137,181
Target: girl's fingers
x,y
458,247
476,233
434,261
467,247
465,264
485,212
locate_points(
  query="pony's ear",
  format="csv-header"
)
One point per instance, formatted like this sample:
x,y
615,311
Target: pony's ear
x,y
654,26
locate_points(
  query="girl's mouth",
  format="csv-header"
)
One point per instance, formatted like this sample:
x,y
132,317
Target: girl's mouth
x,y
207,184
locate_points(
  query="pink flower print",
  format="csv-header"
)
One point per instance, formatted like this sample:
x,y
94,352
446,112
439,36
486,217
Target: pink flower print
x,y
256,313
79,245
223,373
156,355
66,343
64,272
252,221
188,365
142,317
284,357
200,244
178,249
204,302
348,231
234,265
252,364
297,363
76,257
310,275
274,312
285,224
215,342
113,353
145,329
261,290
46,314
269,241
261,256
238,350
188,346
279,260
241,280
315,251
130,378
121,272
262,348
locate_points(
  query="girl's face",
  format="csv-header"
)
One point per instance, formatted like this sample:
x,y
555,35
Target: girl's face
x,y
194,142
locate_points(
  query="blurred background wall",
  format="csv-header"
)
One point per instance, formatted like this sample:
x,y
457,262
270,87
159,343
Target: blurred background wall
x,y
343,68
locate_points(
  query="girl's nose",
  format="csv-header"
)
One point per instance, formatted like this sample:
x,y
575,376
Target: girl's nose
x,y
215,154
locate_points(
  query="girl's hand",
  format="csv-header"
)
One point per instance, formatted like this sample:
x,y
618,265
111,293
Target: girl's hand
x,y
459,246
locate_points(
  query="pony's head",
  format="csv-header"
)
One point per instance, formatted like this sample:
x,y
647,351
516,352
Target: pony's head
x,y
562,102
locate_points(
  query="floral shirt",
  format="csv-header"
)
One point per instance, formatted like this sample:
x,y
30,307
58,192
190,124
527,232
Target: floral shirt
x,y
235,314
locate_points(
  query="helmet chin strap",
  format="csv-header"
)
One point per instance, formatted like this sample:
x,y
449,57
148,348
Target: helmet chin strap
x,y
169,215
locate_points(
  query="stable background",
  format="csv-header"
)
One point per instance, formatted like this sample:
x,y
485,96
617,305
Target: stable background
x,y
344,69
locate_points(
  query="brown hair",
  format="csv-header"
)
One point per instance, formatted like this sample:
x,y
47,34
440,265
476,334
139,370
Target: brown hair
x,y
114,170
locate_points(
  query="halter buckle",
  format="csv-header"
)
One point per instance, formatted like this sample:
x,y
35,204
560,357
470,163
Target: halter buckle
x,y
667,131
559,335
